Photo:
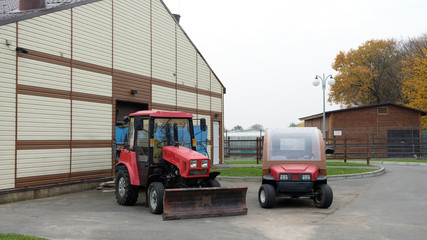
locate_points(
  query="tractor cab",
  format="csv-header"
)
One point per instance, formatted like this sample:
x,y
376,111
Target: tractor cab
x,y
154,136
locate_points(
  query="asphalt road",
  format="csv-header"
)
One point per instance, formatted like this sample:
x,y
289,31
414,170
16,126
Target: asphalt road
x,y
391,206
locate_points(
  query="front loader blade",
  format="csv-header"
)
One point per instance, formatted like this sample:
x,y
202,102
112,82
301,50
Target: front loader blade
x,y
204,202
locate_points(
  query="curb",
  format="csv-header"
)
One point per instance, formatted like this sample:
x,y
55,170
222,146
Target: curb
x,y
376,173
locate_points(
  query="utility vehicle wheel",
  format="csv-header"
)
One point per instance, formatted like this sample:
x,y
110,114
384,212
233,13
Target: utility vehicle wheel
x,y
155,192
126,194
323,196
214,183
266,196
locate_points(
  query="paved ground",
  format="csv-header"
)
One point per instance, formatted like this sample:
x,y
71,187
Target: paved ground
x,y
391,206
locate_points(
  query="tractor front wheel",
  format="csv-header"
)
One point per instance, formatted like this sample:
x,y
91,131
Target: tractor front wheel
x,y
214,183
155,192
266,196
126,194
323,196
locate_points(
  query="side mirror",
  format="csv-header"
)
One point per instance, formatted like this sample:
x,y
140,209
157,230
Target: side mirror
x,y
139,124
126,119
203,124
329,151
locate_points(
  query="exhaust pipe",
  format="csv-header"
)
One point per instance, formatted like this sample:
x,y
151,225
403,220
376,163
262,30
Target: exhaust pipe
x,y
25,5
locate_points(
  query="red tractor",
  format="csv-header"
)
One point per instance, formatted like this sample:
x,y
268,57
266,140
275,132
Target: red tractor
x,y
294,165
160,157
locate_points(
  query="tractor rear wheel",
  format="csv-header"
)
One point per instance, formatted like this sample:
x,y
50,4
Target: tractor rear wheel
x,y
155,193
323,196
126,194
266,196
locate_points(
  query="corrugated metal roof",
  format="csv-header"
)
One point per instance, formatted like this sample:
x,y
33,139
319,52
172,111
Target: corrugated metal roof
x,y
9,9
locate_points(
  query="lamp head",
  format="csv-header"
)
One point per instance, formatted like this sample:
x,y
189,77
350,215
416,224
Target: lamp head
x,y
316,82
331,81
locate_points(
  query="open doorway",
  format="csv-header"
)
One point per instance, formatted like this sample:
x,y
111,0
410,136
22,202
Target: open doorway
x,y
216,143
124,108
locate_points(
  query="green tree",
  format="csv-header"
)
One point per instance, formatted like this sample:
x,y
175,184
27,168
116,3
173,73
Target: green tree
x,y
238,127
292,124
367,75
256,127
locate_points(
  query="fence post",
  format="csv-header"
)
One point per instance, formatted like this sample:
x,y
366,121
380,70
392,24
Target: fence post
x,y
228,148
257,150
345,149
368,155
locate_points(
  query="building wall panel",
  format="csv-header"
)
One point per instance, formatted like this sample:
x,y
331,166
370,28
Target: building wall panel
x,y
92,83
48,33
215,84
186,61
163,43
203,77
92,33
7,107
90,159
129,55
42,74
216,105
40,162
204,102
187,99
43,118
163,95
85,128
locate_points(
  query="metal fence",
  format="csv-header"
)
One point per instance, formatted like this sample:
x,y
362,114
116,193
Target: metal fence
x,y
376,147
344,147
244,148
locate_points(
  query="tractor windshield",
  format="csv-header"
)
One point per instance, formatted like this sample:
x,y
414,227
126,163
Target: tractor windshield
x,y
172,132
293,144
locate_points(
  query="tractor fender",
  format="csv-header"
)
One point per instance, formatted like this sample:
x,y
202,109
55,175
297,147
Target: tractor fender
x,y
269,179
321,179
128,160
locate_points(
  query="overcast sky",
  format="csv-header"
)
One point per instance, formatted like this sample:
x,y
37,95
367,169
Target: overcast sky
x,y
267,53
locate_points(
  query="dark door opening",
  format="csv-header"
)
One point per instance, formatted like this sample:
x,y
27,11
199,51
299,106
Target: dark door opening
x,y
124,108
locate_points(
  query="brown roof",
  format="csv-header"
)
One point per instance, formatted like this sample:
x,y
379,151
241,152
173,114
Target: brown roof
x,y
319,115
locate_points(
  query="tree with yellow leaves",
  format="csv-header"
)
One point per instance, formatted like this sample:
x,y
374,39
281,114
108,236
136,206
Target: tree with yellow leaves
x,y
414,90
367,75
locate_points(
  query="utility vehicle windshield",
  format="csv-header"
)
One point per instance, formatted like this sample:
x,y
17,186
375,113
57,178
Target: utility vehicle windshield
x,y
293,144
172,132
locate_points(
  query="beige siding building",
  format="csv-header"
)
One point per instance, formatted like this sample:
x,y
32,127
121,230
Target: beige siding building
x,y
71,69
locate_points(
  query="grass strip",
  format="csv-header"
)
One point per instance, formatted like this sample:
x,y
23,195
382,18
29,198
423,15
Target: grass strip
x,y
252,162
423,160
12,236
257,171
241,172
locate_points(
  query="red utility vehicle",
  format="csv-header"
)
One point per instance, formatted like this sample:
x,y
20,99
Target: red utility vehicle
x,y
160,157
294,165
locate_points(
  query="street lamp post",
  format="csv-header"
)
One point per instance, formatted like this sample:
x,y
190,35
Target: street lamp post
x,y
316,83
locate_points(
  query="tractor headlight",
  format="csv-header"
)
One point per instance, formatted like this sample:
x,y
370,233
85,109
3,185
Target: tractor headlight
x,y
193,164
284,177
205,163
306,177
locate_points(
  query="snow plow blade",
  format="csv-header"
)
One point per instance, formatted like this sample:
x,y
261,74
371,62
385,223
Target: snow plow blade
x,y
185,203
